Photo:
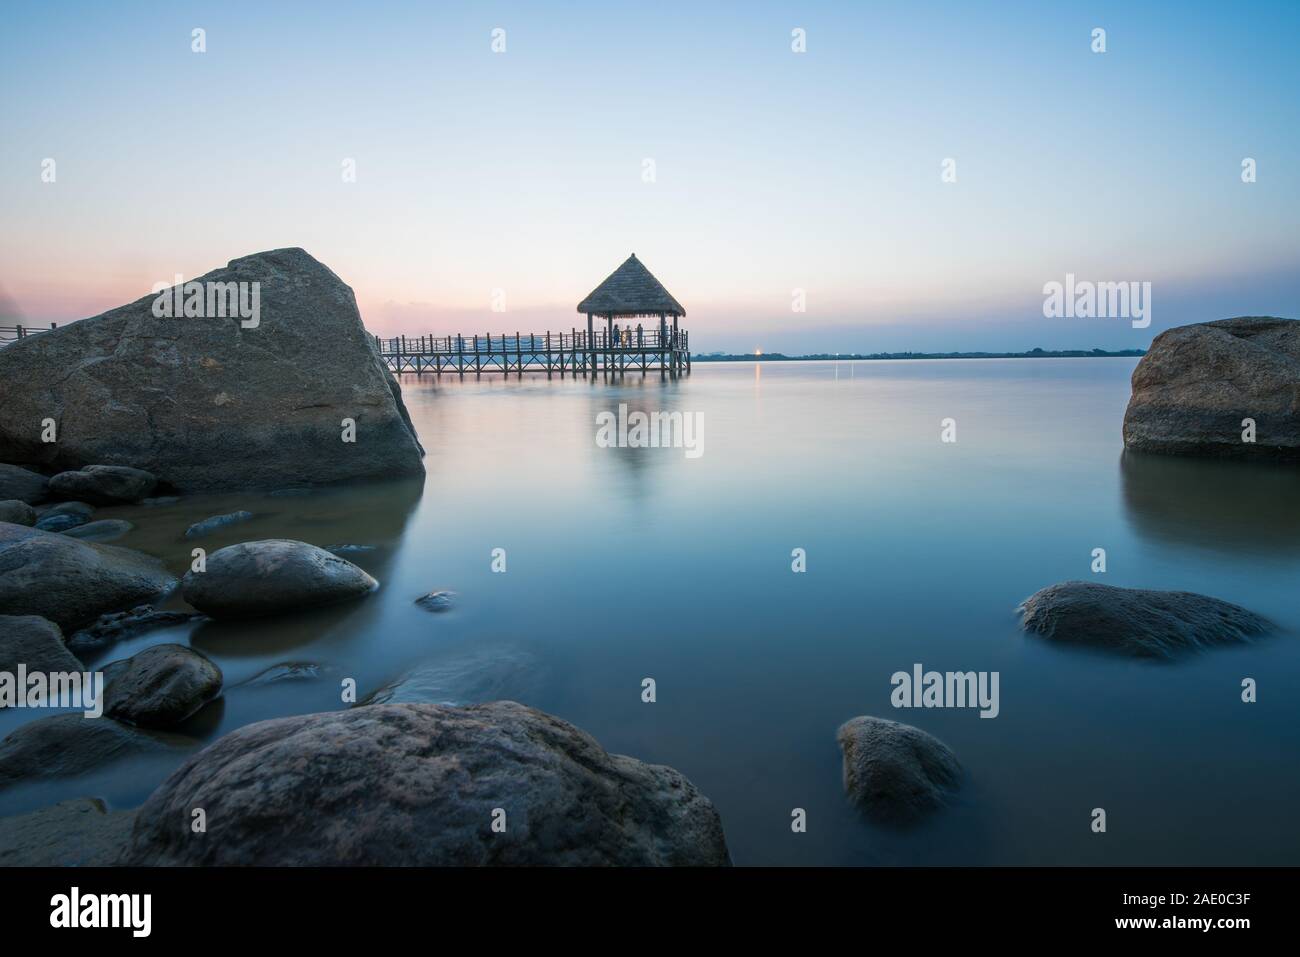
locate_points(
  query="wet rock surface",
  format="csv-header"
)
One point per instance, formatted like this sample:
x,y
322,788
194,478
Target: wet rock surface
x,y
896,773
22,484
1137,621
219,402
17,512
104,530
216,522
71,582
35,643
103,484
68,744
82,832
160,687
418,785
271,577
1197,384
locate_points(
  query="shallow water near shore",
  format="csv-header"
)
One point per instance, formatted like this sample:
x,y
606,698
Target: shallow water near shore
x,y
625,563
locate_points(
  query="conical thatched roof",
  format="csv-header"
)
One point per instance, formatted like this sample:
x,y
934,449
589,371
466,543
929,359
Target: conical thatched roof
x,y
630,290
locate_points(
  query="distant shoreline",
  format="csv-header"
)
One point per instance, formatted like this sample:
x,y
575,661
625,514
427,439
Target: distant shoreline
x,y
1031,354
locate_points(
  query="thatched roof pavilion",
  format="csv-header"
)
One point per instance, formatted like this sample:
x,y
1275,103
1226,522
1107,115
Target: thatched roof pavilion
x,y
630,290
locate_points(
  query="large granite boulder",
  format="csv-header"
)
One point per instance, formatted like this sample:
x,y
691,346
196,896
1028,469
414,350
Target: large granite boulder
x,y
1196,385
272,576
19,483
34,642
418,784
895,773
71,582
82,832
160,687
1137,621
104,484
209,403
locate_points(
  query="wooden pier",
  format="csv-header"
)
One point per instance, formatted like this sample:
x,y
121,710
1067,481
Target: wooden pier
x,y
577,353
629,294
10,334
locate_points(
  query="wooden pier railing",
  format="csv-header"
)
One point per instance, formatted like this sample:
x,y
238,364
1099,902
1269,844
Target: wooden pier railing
x,y
573,352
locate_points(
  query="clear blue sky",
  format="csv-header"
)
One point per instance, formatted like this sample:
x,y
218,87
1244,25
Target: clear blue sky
x,y
523,171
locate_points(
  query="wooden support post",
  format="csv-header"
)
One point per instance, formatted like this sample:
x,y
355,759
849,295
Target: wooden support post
x,y
589,364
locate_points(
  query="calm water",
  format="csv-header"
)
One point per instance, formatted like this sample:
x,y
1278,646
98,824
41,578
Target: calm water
x,y
631,563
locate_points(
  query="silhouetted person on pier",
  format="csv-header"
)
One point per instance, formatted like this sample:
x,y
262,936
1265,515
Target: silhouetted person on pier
x,y
640,336
616,334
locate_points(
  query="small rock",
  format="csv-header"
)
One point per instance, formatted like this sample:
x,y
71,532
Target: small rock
x,y
70,582
1137,621
349,549
270,577
416,785
105,530
104,484
120,625
17,512
160,500
160,687
210,525
82,832
60,521
436,601
284,671
474,677
21,484
34,642
894,772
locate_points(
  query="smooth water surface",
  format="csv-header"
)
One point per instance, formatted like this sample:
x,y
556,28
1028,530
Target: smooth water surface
x,y
623,564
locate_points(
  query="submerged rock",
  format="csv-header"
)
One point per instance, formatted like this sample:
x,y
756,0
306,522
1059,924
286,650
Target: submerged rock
x,y
484,674
210,525
105,530
1197,383
59,521
894,772
349,549
104,484
417,785
64,516
82,832
231,401
84,509
34,642
17,512
20,483
284,671
69,744
70,582
272,576
160,687
119,625
1137,621
437,601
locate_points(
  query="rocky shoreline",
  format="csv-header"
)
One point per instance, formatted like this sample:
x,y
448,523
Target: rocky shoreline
x,y
422,768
